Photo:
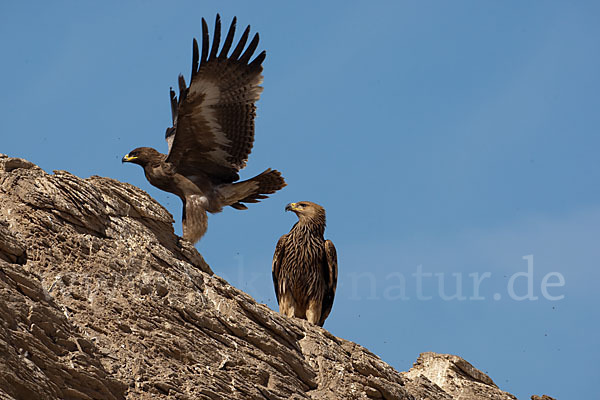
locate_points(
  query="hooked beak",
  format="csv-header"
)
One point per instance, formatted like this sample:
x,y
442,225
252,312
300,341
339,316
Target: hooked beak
x,y
290,207
127,158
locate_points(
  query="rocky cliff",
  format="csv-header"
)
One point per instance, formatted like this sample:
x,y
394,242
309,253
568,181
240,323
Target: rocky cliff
x,y
101,300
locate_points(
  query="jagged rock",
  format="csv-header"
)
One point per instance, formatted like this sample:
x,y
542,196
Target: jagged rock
x,y
42,356
542,397
456,377
101,300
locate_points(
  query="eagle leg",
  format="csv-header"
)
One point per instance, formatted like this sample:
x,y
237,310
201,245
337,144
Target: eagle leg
x,y
313,312
287,305
195,220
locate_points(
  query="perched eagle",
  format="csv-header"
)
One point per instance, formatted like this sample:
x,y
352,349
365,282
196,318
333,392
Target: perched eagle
x,y
305,266
212,133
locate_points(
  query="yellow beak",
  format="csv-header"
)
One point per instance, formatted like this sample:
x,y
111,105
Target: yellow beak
x,y
128,158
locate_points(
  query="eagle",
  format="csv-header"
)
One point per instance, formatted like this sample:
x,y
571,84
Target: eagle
x,y
305,266
212,133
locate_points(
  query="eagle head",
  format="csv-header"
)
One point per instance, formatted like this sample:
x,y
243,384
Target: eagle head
x,y
142,156
307,211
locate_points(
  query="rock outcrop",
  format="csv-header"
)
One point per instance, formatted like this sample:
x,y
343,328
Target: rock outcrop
x,y
101,300
455,376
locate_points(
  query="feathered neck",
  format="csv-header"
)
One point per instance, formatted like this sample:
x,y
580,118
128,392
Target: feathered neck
x,y
314,224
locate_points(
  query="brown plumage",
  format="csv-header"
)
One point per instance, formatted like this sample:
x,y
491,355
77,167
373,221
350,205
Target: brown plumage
x,y
212,133
305,266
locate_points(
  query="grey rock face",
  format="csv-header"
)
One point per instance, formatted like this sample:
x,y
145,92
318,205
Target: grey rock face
x,y
101,300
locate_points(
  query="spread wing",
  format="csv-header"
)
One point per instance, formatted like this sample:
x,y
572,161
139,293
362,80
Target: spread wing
x,y
330,271
277,261
213,120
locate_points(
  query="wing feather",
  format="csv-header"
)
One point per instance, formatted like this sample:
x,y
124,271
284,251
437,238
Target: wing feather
x,y
228,39
277,261
331,274
213,124
182,88
173,98
250,49
205,43
240,46
216,39
258,60
195,58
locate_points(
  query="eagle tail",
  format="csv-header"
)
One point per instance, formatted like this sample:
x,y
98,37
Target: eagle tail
x,y
195,220
252,190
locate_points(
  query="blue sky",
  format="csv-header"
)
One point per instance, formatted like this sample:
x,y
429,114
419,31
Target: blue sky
x,y
454,138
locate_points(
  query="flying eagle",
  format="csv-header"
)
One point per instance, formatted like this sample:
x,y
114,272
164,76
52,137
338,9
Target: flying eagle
x,y
212,133
305,266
